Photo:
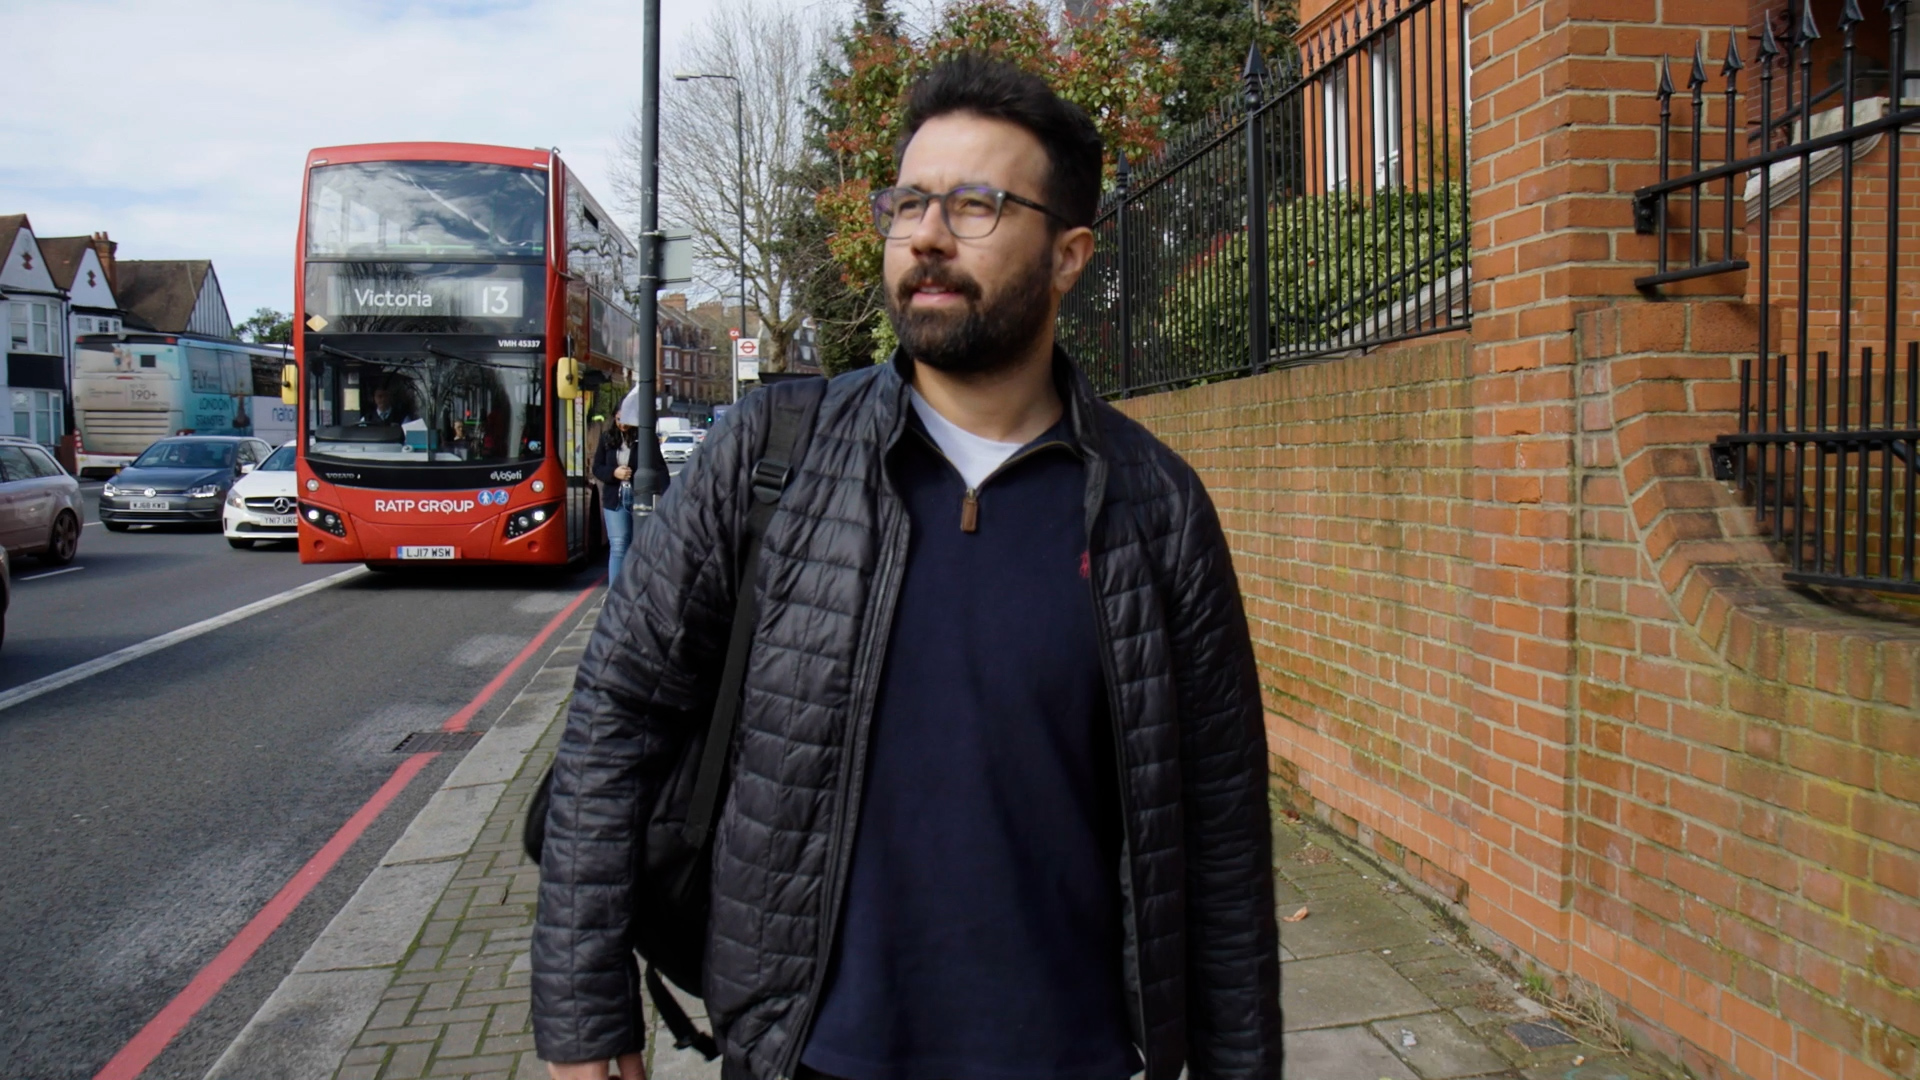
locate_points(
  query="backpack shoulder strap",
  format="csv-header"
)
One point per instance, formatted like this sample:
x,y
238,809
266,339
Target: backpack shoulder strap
x,y
791,426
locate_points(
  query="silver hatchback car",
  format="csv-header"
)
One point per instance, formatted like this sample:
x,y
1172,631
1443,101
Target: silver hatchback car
x,y
40,508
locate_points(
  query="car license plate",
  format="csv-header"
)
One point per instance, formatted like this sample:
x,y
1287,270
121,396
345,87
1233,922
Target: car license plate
x,y
434,552
278,521
148,504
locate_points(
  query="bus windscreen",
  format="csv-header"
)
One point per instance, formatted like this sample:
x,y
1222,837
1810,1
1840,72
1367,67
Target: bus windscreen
x,y
426,210
425,407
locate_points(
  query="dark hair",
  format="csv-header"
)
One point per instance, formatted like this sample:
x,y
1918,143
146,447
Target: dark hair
x,y
974,83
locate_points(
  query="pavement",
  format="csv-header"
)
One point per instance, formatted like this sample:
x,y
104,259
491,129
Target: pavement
x,y
424,972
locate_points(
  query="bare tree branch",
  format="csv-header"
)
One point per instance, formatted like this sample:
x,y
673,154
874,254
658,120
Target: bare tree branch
x,y
772,50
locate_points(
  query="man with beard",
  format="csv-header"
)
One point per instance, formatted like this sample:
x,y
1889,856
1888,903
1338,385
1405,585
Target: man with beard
x,y
998,794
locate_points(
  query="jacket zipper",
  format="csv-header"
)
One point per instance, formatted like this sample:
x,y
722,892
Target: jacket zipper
x,y
1136,997
852,772
970,502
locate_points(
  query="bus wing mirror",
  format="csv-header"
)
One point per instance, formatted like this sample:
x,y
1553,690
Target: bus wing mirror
x,y
290,384
566,378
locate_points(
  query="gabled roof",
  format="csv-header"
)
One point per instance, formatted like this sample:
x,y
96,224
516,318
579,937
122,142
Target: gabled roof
x,y
10,226
64,255
160,293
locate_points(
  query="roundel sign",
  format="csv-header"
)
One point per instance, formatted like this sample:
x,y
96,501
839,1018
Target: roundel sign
x,y
747,348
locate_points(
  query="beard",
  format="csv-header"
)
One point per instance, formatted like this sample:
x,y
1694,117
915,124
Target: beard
x,y
989,336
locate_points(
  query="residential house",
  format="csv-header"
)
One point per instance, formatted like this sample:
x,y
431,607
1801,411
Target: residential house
x,y
83,269
173,296
38,345
688,381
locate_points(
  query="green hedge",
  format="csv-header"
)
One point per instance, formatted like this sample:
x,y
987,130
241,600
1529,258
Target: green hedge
x,y
1334,263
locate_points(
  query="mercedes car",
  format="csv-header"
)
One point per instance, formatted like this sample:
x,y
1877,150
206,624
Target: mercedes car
x,y
261,504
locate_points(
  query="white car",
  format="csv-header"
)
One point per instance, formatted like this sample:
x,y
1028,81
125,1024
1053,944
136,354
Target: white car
x,y
262,504
678,446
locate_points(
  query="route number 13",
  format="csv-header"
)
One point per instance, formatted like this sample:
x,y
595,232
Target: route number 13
x,y
493,300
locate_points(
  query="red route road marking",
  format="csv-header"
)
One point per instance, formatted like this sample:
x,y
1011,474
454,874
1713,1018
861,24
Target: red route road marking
x,y
133,1058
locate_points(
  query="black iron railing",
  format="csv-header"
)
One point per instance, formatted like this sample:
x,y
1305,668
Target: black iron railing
x,y
1829,418
1317,213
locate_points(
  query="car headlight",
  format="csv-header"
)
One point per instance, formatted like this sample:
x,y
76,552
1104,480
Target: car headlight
x,y
204,491
234,500
110,491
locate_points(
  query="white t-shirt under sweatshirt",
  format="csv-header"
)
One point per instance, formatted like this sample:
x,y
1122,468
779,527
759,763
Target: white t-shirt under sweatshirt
x,y
975,457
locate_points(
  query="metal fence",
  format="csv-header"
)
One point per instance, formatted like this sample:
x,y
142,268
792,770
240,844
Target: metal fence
x,y
1320,212
1828,446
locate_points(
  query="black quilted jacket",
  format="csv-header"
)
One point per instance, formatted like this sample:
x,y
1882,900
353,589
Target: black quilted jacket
x,y
1202,953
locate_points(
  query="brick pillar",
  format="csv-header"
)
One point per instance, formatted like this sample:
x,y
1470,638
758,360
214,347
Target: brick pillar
x,y
1563,124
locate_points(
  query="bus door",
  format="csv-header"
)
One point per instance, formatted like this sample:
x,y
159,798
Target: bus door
x,y
576,456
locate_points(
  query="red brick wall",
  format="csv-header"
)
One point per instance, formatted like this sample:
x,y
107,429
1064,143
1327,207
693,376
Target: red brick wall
x,y
1741,763
1344,489
1514,636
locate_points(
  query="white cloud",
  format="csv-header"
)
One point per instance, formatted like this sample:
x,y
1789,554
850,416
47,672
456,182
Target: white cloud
x,y
181,128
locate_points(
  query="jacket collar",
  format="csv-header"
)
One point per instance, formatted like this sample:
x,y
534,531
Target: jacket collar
x,y
1076,394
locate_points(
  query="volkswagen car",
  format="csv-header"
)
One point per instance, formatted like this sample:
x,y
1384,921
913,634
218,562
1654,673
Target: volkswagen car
x,y
261,504
179,481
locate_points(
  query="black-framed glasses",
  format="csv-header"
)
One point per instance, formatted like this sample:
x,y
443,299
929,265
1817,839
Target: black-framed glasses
x,y
971,210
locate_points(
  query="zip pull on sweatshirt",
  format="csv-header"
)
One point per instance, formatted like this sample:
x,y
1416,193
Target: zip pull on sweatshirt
x,y
975,458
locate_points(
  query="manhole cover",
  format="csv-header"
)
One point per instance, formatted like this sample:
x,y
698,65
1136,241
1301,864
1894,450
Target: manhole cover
x,y
420,742
1536,1035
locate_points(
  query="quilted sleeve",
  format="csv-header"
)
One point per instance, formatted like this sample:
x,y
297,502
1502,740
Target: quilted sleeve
x,y
643,681
1233,952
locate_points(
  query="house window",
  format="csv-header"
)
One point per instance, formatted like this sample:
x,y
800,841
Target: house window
x,y
83,324
1386,112
1333,102
31,326
38,415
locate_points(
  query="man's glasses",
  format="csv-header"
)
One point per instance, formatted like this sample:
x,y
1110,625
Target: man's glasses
x,y
971,210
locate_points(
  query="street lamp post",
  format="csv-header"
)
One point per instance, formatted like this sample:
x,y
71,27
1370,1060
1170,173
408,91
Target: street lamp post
x,y
740,144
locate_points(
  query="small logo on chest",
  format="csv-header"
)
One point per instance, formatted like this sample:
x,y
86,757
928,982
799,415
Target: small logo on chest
x,y
1086,565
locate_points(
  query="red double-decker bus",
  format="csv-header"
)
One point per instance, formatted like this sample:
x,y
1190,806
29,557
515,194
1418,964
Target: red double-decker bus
x,y
461,327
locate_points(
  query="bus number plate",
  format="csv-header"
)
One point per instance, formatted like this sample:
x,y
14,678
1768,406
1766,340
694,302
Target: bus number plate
x,y
434,552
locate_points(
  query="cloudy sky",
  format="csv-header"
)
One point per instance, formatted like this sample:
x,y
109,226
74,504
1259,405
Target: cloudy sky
x,y
180,128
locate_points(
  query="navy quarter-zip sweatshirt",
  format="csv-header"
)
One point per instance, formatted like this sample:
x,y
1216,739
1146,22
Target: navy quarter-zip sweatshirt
x,y
982,933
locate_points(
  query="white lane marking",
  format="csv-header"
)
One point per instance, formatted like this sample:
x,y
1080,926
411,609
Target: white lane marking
x,y
90,524
49,683
51,573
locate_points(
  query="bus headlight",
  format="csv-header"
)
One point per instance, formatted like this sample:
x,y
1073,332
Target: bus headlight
x,y
323,519
528,518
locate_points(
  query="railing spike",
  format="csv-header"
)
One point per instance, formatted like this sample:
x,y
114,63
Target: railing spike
x,y
1256,67
1770,45
1733,62
1697,75
1666,77
1850,15
1122,171
1896,8
1808,31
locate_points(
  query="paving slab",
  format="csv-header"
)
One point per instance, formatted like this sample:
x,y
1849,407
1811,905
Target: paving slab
x,y
1346,1053
305,1028
1357,920
379,924
1439,1046
449,824
1335,991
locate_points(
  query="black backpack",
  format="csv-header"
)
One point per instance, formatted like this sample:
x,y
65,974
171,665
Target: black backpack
x,y
670,895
